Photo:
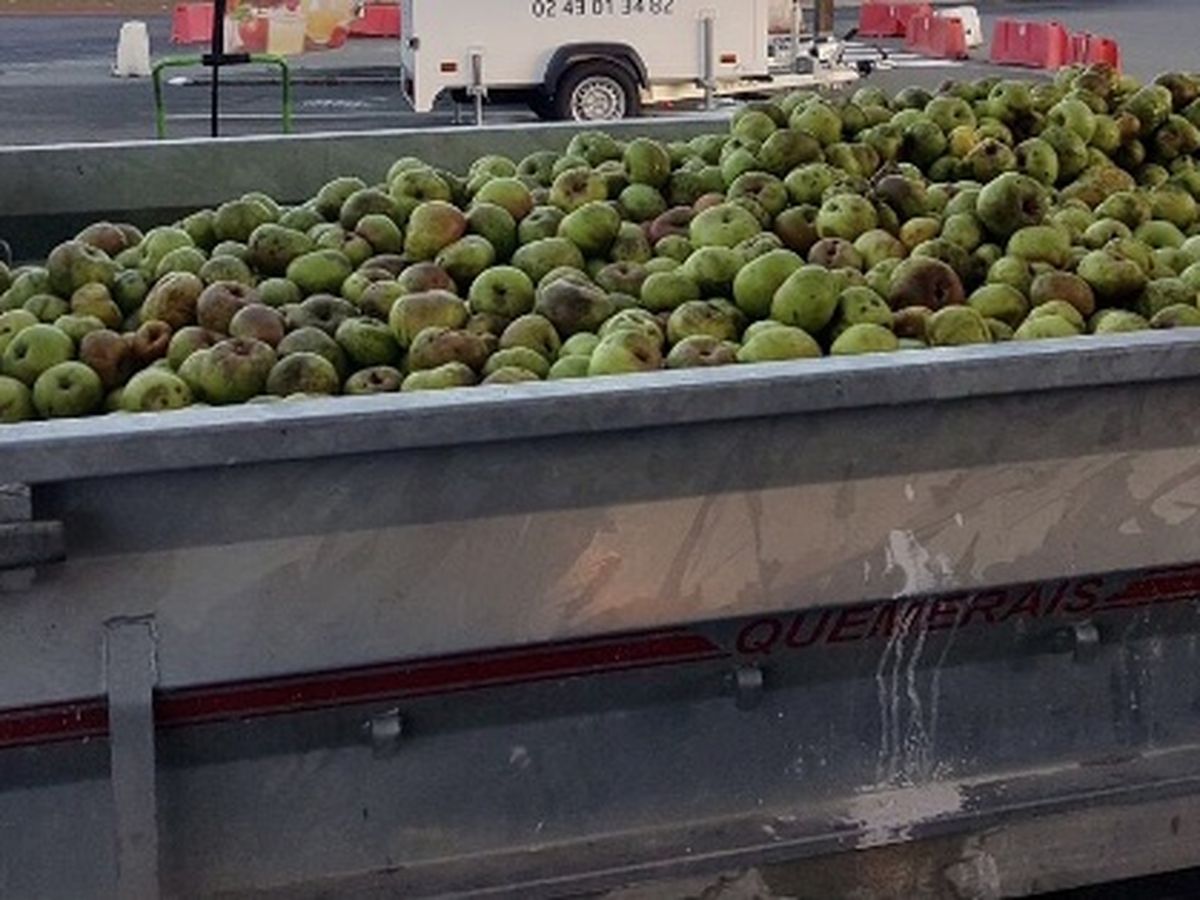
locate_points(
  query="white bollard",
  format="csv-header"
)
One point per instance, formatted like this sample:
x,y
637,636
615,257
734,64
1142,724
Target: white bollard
x,y
972,27
133,51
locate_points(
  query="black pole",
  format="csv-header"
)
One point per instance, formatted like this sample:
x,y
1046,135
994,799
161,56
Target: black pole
x,y
218,51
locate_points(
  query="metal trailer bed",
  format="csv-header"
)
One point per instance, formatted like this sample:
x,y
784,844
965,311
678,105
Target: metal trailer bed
x,y
916,625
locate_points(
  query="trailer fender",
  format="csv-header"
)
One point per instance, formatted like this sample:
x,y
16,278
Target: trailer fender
x,y
569,54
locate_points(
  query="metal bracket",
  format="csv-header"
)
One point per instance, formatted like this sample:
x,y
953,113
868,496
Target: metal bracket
x,y
747,686
708,76
385,730
131,672
24,543
477,90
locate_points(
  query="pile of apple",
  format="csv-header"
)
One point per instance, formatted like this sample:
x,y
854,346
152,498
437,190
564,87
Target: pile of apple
x,y
991,211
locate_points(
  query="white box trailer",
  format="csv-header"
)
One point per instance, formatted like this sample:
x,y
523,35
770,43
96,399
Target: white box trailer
x,y
606,59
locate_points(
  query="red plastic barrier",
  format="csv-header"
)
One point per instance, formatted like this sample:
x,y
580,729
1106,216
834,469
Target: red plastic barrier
x,y
939,36
1040,45
1092,48
889,19
378,20
191,23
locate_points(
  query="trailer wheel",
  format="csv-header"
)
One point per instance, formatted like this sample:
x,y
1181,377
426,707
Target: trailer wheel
x,y
596,90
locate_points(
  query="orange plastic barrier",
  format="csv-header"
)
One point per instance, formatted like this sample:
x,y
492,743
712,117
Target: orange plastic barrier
x,y
939,36
1092,48
1039,45
380,20
191,23
889,19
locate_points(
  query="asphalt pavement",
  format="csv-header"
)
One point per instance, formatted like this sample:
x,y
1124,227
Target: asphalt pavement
x,y
56,83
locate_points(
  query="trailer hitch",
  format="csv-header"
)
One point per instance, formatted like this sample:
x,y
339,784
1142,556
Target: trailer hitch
x,y
24,543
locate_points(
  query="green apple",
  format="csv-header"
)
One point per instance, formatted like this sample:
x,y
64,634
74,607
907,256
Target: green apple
x,y
701,350
310,339
778,343
859,305
373,380
864,337
67,388
1038,159
539,257
573,305
535,332
232,371
641,202
663,291
808,298
1113,279
625,351
34,349
956,325
16,401
433,225
450,375
413,312
1180,315
634,319
518,356
846,216
155,390
367,342
820,120
508,192
1040,243
1011,202
77,327
713,269
411,187
466,259
576,187
581,343
1061,309
303,373
755,284
647,163
1000,301
787,148
438,345
718,318
574,366
73,264
225,268
724,225
17,320
808,183
497,225
592,227
504,290
1047,326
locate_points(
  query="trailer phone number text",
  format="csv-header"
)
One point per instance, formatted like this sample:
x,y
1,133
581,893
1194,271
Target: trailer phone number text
x,y
551,9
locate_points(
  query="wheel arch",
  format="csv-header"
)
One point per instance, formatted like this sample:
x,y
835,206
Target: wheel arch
x,y
569,55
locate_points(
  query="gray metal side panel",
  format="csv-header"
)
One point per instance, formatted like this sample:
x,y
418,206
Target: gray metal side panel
x,y
49,193
557,529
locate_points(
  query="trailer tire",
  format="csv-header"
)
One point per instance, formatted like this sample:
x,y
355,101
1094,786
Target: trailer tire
x,y
596,90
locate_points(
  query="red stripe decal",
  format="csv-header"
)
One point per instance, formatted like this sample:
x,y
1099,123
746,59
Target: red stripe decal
x,y
421,679
89,717
1154,591
60,722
